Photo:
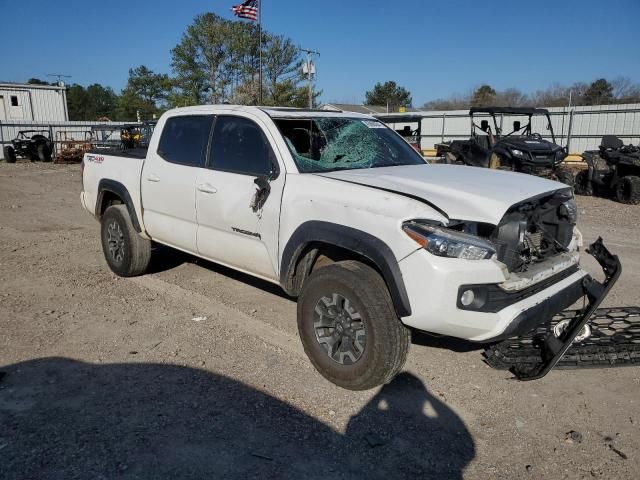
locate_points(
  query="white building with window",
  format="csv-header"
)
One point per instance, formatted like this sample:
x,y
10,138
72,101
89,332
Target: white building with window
x,y
38,103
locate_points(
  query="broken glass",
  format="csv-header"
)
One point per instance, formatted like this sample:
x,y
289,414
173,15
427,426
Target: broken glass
x,y
321,144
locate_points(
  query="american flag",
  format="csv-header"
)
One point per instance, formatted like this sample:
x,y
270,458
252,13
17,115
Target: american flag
x,y
248,10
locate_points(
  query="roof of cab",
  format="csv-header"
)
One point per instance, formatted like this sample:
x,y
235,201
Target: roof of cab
x,y
273,112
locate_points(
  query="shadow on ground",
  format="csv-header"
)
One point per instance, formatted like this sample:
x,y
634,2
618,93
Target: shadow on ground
x,y
166,258
448,343
61,418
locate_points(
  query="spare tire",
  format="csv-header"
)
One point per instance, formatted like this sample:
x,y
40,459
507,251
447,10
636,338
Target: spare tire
x,y
9,154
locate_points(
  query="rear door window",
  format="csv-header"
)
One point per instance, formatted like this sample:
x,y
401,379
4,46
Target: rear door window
x,y
184,139
240,146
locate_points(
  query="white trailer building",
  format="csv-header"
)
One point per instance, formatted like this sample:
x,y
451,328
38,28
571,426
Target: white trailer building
x,y
37,103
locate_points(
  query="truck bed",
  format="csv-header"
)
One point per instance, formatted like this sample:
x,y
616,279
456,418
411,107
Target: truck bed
x,y
139,153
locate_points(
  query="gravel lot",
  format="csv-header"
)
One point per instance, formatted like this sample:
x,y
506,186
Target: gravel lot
x,y
194,371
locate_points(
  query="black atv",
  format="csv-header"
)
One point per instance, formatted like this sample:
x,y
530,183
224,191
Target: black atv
x,y
31,144
614,170
521,150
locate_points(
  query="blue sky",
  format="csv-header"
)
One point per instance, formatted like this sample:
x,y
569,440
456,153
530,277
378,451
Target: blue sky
x,y
433,48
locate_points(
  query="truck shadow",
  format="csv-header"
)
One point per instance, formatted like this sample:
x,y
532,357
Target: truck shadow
x,y
448,343
166,258
67,419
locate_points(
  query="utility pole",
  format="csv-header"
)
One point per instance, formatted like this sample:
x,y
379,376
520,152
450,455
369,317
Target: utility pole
x,y
308,68
59,76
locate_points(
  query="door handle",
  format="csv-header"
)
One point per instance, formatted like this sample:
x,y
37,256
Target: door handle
x,y
153,178
207,188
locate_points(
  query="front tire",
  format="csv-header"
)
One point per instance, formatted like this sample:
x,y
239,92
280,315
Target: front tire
x,y
628,190
126,252
10,154
349,328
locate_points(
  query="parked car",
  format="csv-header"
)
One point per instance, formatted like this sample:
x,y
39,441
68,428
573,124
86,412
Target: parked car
x,y
30,144
520,150
613,170
343,214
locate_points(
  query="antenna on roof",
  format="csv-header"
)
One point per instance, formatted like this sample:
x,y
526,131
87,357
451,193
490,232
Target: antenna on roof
x,y
59,76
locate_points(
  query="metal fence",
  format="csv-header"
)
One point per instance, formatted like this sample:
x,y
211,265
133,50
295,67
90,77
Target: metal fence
x,y
61,133
580,128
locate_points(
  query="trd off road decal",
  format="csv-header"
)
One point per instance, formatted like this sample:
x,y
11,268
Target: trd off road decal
x,y
95,158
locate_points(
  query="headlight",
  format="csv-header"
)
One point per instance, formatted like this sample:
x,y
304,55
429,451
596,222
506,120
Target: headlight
x,y
444,242
517,153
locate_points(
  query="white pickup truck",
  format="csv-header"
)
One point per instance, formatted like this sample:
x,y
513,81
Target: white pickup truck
x,y
343,214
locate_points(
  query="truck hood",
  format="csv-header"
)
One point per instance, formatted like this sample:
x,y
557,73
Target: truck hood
x,y
460,192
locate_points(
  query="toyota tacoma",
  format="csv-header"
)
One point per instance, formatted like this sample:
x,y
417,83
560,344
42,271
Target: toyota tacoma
x,y
344,215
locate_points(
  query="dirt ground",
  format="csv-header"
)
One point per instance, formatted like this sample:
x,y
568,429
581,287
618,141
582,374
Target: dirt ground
x,y
194,371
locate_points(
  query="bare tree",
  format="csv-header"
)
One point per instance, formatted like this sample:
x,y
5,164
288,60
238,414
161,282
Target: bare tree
x,y
618,90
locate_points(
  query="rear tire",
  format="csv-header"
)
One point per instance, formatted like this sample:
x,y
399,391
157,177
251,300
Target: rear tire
x,y
565,176
628,190
359,355
126,252
9,154
582,184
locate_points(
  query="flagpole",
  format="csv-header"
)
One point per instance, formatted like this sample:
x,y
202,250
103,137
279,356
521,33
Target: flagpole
x,y
260,35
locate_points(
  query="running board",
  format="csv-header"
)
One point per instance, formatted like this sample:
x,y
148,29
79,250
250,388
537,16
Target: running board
x,y
532,356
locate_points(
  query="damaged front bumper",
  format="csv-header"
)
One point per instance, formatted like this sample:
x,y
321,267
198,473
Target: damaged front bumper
x,y
553,347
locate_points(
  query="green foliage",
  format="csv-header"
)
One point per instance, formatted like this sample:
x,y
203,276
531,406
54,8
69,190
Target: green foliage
x,y
37,81
217,61
388,94
484,96
91,103
144,95
600,92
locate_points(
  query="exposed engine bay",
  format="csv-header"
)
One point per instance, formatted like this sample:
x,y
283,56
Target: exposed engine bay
x,y
535,230
530,232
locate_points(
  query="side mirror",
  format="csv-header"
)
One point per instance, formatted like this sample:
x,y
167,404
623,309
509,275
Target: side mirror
x,y
262,182
261,194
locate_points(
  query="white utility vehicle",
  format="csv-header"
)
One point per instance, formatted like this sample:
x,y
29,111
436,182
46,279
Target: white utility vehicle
x,y
343,214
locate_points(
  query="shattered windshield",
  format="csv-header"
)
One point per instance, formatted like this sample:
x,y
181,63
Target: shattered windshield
x,y
322,144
